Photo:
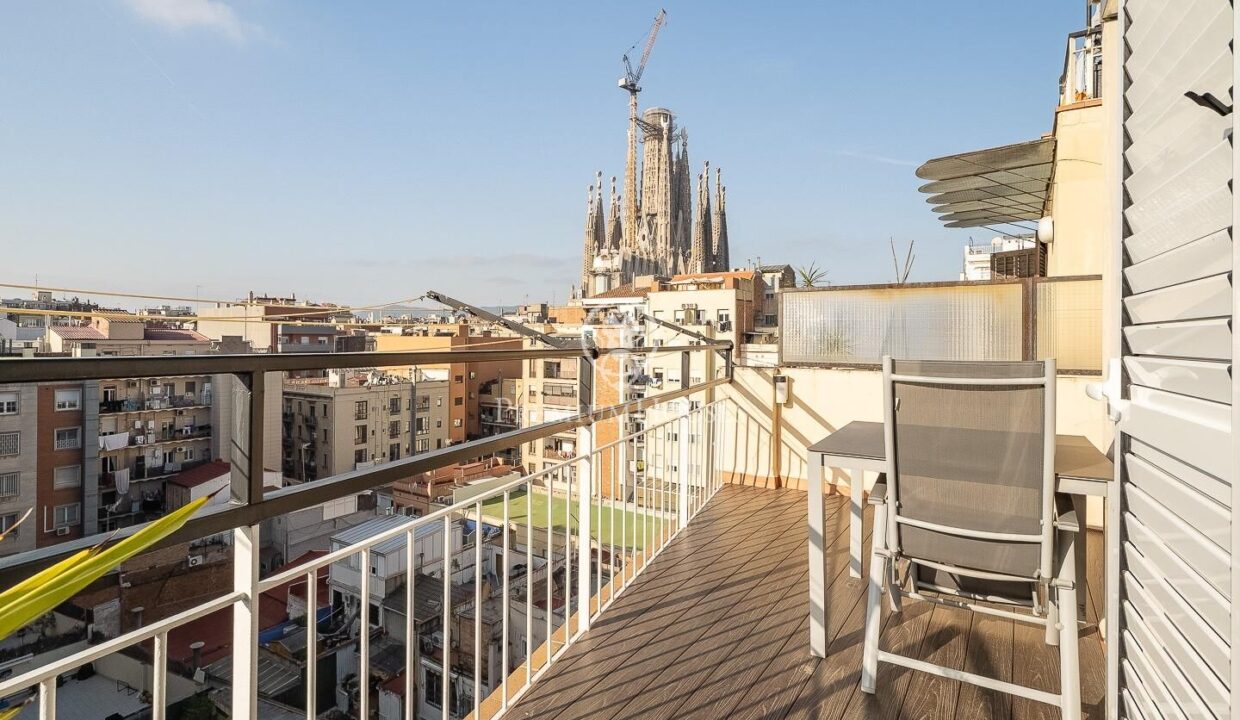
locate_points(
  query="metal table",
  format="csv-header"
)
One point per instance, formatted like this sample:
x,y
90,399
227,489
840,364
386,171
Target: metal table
x,y
1080,468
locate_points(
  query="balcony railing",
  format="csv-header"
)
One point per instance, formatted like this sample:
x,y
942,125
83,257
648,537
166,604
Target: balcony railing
x,y
1082,67
595,521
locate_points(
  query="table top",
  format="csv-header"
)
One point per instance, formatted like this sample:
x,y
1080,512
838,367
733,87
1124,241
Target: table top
x,y
1075,456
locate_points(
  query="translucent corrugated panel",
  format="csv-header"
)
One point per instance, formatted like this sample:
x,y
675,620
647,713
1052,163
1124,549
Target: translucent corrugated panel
x,y
1070,323
958,322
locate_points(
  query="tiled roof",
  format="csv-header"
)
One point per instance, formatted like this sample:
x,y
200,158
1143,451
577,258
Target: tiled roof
x,y
78,332
623,291
167,334
201,474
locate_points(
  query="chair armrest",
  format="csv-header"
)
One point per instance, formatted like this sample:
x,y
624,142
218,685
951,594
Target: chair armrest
x,y
878,494
1065,514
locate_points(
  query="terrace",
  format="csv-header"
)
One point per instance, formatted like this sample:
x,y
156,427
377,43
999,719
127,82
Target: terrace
x,y
661,573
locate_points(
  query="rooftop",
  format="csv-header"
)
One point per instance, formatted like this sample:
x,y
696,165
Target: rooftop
x,y
204,473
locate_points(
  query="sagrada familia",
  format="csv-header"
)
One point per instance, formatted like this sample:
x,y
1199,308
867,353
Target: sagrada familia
x,y
663,234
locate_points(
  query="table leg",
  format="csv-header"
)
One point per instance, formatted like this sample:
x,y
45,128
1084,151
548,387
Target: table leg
x,y
855,488
817,561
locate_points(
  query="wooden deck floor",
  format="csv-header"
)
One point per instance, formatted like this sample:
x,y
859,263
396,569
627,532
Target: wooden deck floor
x,y
717,627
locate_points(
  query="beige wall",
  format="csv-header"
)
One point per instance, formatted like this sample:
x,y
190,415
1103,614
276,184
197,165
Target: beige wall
x,y
1079,193
824,400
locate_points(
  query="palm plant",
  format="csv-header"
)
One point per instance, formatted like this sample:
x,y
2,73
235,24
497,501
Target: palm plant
x,y
811,275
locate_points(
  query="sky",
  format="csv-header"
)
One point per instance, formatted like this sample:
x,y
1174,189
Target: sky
x,y
362,153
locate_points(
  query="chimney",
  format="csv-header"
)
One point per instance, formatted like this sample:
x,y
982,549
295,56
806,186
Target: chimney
x,y
196,649
136,613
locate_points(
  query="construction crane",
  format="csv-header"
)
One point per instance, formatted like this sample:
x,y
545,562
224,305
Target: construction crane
x,y
629,82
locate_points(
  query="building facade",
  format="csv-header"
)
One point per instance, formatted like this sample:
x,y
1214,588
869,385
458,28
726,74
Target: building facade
x,y
347,420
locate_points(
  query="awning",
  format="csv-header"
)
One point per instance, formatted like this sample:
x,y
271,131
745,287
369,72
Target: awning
x,y
990,187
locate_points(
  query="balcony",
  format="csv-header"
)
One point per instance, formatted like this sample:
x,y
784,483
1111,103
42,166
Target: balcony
x,y
653,580
146,403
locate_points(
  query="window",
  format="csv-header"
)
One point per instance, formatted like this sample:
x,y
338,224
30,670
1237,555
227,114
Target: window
x,y
439,423
394,429
434,688
68,438
359,410
458,401
459,378
723,315
68,515
7,523
438,402
8,403
394,451
456,422
10,485
69,476
422,445
422,426
768,320
69,399
394,406
10,443
359,455
359,434
190,387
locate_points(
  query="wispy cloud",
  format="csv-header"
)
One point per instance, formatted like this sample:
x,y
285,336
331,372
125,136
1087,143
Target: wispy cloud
x,y
210,15
870,157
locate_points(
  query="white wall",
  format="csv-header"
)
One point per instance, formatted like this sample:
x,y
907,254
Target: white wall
x,y
826,399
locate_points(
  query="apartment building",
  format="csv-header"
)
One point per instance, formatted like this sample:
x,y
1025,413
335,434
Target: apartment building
x,y
774,279
355,419
274,324
124,336
728,301
465,379
48,463
149,431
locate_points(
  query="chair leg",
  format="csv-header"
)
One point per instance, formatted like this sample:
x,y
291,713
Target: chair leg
x,y
1069,649
873,602
1052,618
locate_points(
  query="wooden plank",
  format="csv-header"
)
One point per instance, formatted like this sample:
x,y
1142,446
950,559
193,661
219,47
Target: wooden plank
x,y
726,522
666,598
990,654
638,658
930,696
903,633
726,637
831,680
1035,665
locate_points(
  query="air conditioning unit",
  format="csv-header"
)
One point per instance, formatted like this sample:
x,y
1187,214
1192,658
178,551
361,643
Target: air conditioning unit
x,y
195,560
154,383
60,531
180,450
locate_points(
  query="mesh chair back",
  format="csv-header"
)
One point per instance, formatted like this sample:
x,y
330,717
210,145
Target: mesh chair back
x,y
969,461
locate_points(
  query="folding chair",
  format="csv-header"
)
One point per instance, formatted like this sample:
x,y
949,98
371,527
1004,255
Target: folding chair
x,y
968,516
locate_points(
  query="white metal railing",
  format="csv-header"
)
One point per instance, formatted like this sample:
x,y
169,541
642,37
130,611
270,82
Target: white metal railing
x,y
594,521
1081,79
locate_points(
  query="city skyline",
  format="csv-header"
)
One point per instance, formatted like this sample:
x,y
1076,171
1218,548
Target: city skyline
x,y
357,157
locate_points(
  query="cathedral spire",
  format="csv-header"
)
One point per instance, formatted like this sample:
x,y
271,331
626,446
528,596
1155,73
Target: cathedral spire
x,y
719,239
700,257
595,234
615,229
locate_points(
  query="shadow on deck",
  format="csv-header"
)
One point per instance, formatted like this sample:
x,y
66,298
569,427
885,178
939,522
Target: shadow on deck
x,y
718,627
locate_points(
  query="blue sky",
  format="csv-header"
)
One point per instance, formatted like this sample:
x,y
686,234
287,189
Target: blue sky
x,y
364,152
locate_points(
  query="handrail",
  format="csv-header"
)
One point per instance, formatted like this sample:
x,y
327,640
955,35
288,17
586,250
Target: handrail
x,y
579,551
61,369
221,518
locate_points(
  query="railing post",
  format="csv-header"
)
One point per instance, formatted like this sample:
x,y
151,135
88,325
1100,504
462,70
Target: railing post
x,y
247,488
585,472
245,622
683,475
